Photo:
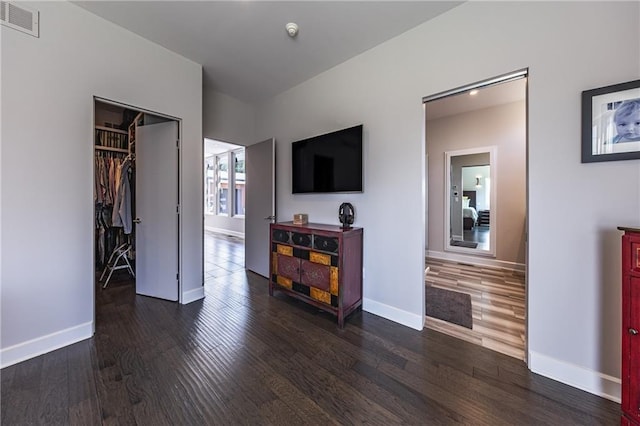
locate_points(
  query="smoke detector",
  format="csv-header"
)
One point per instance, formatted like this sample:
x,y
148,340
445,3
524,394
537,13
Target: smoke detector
x,y
292,29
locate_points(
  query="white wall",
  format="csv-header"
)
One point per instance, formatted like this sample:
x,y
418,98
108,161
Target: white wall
x,y
227,119
231,225
574,262
48,84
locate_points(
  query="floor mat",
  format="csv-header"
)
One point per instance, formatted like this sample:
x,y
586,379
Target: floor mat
x,y
450,306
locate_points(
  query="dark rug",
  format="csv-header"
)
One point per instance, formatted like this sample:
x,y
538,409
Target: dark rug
x,y
468,244
450,306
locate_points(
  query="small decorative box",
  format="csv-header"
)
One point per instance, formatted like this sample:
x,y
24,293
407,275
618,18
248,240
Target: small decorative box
x,y
300,219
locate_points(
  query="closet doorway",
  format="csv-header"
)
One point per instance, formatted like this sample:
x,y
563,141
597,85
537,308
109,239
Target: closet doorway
x,y
136,200
475,251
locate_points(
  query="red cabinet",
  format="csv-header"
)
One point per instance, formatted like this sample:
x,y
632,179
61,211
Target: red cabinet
x,y
630,326
319,264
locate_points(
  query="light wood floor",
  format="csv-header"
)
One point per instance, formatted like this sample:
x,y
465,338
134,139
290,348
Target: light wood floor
x,y
497,300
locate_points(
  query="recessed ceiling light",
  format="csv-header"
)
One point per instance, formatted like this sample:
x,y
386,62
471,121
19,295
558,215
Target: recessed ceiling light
x,y
473,92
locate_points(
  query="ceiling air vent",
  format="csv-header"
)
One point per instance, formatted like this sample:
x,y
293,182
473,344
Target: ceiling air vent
x,y
19,18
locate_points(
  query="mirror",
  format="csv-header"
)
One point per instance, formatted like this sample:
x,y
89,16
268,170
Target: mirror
x,y
470,201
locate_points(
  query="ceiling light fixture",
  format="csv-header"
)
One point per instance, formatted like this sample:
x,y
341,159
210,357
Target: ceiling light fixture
x,y
292,29
473,92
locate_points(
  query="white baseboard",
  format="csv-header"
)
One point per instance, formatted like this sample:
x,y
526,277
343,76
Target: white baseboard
x,y
573,375
192,295
475,260
393,314
41,345
224,231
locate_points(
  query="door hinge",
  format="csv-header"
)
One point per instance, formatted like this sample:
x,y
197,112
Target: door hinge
x,y
178,144
177,208
177,277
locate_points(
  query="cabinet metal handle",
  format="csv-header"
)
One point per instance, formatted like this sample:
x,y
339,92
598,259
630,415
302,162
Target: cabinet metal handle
x,y
633,331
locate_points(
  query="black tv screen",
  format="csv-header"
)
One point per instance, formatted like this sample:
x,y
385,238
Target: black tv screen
x,y
328,163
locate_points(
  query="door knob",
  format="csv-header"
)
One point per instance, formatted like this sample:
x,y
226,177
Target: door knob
x,y
137,220
272,217
633,331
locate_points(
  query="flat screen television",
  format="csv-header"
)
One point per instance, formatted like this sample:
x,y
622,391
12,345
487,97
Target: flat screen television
x,y
328,163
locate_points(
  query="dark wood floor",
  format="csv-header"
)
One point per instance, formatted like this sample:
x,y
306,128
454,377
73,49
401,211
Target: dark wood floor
x,y
479,234
242,357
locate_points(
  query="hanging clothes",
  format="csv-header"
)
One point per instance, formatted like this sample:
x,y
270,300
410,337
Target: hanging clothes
x,y
107,173
112,177
122,203
111,193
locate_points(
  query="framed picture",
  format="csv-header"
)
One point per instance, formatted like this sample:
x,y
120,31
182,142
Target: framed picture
x,y
611,123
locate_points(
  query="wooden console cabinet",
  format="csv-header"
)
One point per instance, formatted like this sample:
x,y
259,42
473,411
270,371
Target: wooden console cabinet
x,y
319,264
630,326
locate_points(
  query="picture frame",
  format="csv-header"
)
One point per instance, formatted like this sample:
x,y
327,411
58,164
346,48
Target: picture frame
x,y
611,123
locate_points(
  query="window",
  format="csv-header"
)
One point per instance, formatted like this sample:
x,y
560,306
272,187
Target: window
x,y
224,186
222,183
209,185
238,182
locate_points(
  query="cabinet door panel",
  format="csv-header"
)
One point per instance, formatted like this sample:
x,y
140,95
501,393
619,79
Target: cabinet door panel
x,y
315,275
635,257
633,349
288,267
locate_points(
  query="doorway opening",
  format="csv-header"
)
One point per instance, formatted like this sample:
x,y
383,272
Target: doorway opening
x,y
476,205
136,208
240,204
224,209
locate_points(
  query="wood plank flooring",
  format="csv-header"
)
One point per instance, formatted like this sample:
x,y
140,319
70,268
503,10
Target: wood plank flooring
x,y
497,301
242,357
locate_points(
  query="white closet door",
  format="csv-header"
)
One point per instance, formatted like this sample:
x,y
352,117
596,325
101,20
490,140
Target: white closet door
x,y
260,205
156,209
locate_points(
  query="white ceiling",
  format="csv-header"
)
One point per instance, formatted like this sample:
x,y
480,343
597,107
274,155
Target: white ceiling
x,y
243,45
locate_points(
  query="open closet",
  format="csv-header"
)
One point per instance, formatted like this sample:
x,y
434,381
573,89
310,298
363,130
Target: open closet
x,y
114,192
136,200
